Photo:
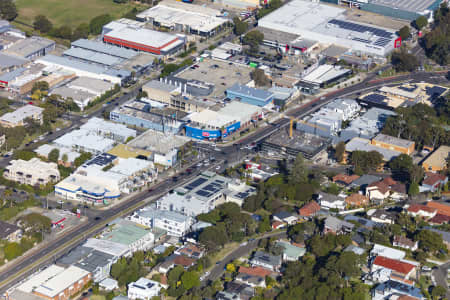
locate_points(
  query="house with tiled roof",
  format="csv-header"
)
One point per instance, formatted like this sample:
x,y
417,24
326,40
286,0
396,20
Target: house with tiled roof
x,y
344,179
190,250
398,268
310,209
330,201
439,219
432,182
357,199
278,225
377,192
420,210
404,242
255,271
442,208
253,281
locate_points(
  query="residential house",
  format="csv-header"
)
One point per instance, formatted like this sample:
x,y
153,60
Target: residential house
x,y
357,199
336,226
439,219
391,289
242,290
291,252
355,249
404,242
397,268
310,209
175,260
382,216
423,211
190,250
433,181
10,232
345,180
253,276
330,201
363,222
380,250
278,225
144,289
286,217
266,260
224,295
442,208
377,192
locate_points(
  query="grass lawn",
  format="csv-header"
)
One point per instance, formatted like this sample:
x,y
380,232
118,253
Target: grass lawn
x,y
69,12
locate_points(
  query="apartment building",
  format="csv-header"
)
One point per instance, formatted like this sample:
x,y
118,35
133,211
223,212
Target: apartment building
x,y
32,172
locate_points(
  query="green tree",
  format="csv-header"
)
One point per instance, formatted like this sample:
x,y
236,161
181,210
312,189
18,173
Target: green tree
x,y
42,24
365,162
84,156
240,27
404,61
400,167
299,172
40,85
413,189
404,32
36,222
81,32
190,280
97,23
8,10
175,275
63,32
438,292
12,250
430,241
253,39
340,151
214,237
24,154
421,22
264,225
54,155
259,77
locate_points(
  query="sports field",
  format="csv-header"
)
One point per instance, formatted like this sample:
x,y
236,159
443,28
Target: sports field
x,y
69,12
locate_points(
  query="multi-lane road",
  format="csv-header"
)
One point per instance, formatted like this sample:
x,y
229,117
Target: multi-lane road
x,y
46,254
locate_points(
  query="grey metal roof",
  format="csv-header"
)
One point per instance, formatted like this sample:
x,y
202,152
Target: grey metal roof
x,y
104,48
365,180
155,84
92,56
245,90
8,61
29,46
273,260
7,77
94,260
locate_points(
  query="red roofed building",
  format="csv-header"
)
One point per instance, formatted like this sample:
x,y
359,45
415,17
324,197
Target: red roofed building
x,y
344,179
255,271
278,224
399,268
309,210
419,210
433,181
439,219
442,209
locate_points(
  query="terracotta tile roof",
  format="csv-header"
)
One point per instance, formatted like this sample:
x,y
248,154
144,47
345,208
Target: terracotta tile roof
x,y
442,209
393,264
163,279
277,224
439,219
309,209
357,199
382,187
433,178
407,297
183,261
399,188
415,208
389,181
255,271
347,179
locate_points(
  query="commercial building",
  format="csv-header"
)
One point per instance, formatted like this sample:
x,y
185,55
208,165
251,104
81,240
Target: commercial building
x,y
361,144
163,147
9,63
209,124
85,69
237,191
32,172
200,195
90,183
114,249
288,43
328,25
176,224
409,10
18,117
136,237
322,75
81,98
56,283
250,95
301,142
91,85
149,114
393,143
32,47
367,125
144,289
96,262
92,57
437,161
99,47
160,91
185,18
141,39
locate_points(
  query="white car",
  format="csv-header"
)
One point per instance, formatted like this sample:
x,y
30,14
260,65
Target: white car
x,y
218,168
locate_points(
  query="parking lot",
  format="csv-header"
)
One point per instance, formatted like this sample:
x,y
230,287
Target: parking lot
x,y
221,74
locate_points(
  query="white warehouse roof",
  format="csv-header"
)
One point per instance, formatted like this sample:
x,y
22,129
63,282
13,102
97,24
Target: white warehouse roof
x,y
328,25
61,281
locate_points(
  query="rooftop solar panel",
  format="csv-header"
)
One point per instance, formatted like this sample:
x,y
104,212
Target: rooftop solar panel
x,y
361,28
408,89
376,98
435,91
203,193
196,183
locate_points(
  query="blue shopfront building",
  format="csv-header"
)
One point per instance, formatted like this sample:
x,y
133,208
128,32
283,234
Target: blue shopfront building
x,y
210,134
